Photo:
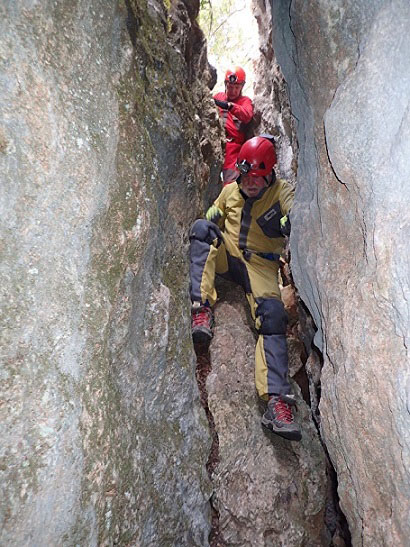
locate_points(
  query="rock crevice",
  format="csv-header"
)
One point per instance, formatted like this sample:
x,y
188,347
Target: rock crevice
x,y
266,491
110,147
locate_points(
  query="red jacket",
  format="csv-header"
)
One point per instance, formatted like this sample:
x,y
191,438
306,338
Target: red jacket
x,y
235,120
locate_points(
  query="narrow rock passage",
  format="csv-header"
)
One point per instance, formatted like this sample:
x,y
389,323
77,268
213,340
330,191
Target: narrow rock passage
x,y
256,499
267,491
110,148
202,371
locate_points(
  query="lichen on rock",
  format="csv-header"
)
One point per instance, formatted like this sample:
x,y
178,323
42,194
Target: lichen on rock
x,y
103,437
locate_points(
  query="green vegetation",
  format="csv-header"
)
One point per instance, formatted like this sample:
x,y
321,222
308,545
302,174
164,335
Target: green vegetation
x,y
231,33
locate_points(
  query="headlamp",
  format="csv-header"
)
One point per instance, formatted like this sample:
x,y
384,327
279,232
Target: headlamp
x,y
232,78
243,167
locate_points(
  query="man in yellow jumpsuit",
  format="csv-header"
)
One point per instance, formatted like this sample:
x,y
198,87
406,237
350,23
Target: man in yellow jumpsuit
x,y
241,239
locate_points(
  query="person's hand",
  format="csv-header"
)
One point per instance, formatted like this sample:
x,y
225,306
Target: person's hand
x,y
223,104
214,235
213,214
285,225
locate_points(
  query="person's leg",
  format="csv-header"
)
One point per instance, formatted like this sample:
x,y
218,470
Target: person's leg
x,y
271,356
207,257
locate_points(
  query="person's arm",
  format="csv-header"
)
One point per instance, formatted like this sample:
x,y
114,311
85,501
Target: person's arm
x,y
243,111
221,101
216,213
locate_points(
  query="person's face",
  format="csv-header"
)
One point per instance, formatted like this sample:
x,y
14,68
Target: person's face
x,y
233,90
251,185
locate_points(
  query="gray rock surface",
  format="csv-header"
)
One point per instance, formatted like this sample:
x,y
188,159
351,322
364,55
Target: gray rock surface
x,y
267,491
272,109
347,67
103,440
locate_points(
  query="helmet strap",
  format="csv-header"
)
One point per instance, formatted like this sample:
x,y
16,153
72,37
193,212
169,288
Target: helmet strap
x,y
273,174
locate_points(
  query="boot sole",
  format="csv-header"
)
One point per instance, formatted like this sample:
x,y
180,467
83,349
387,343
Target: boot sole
x,y
288,435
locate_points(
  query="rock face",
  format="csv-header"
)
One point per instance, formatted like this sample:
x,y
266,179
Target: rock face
x,y
103,167
347,67
272,109
267,491
110,145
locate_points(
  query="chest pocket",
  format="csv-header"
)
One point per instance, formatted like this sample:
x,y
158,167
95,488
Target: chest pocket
x,y
269,222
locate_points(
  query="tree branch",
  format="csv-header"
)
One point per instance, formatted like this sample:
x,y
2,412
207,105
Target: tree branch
x,y
225,20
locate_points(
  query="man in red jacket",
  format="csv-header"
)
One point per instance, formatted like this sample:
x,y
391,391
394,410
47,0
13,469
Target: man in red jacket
x,y
236,111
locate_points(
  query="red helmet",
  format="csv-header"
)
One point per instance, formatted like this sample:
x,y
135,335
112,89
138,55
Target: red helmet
x,y
235,76
257,157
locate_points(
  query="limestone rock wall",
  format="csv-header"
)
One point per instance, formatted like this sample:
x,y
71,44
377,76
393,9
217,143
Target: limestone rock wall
x,y
103,167
272,109
347,69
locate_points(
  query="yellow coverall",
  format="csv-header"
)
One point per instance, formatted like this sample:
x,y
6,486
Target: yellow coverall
x,y
247,251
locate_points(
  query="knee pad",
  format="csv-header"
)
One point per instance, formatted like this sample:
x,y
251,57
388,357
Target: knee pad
x,y
272,315
206,231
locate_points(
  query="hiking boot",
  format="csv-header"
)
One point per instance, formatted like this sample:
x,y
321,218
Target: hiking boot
x,y
202,323
278,418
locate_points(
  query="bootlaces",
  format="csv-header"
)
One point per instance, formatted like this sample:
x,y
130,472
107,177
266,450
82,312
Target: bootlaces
x,y
201,318
283,411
